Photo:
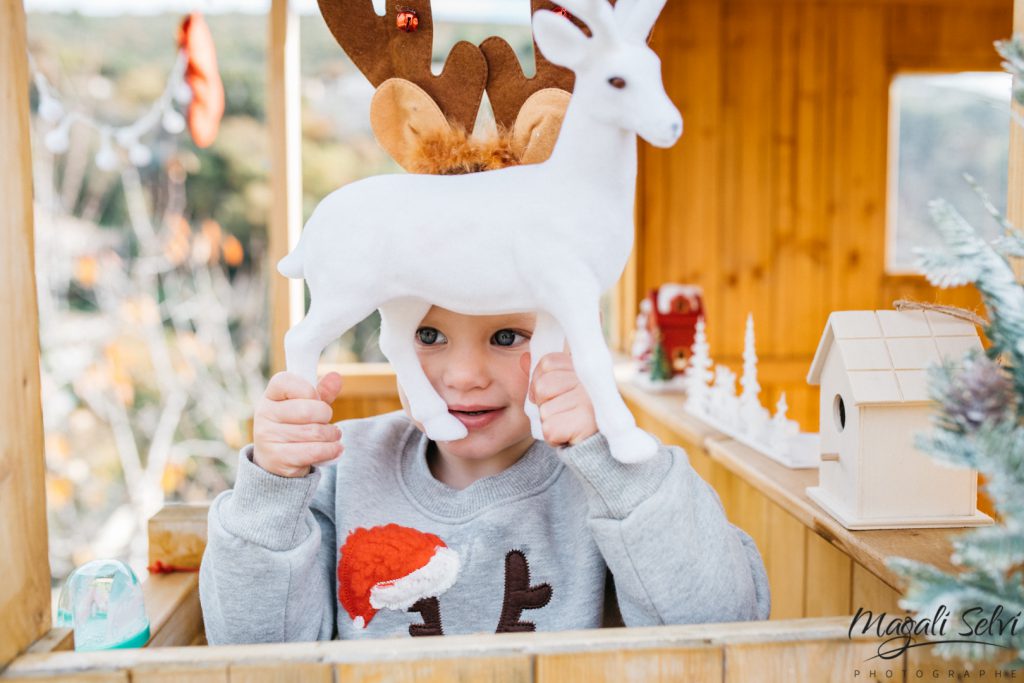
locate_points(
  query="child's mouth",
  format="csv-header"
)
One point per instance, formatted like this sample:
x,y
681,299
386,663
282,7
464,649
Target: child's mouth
x,y
477,419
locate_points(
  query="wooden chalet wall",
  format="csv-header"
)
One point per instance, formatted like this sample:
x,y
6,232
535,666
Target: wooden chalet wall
x,y
774,200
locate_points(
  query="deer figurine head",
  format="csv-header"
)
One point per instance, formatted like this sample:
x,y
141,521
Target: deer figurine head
x,y
617,74
546,237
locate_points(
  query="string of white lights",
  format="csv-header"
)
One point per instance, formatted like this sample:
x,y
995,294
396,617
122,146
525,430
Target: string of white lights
x,y
114,139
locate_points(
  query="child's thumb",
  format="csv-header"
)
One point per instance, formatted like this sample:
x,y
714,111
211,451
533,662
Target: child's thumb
x,y
329,387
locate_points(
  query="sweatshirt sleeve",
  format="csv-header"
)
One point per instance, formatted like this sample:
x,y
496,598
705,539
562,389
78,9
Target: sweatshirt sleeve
x,y
267,572
675,557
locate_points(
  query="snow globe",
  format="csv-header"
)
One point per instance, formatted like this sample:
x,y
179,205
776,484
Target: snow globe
x,y
102,602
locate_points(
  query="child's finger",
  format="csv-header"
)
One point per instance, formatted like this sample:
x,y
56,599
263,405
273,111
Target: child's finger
x,y
285,385
303,433
299,411
329,387
551,384
559,404
298,455
558,360
524,363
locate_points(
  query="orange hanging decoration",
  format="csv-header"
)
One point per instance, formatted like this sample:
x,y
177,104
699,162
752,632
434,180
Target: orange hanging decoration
x,y
207,105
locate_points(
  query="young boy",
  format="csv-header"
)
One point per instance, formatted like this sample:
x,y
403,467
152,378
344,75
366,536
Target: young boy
x,y
496,532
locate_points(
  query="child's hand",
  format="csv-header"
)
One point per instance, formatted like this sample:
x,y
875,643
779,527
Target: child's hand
x,y
292,425
566,413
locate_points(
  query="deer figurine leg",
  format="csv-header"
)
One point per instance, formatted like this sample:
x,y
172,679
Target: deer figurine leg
x,y
547,338
325,321
581,319
398,322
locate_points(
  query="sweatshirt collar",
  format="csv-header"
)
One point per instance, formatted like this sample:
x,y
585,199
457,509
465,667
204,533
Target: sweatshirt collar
x,y
532,473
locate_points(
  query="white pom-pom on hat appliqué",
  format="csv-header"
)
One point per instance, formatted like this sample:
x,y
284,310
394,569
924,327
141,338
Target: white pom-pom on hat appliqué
x,y
432,579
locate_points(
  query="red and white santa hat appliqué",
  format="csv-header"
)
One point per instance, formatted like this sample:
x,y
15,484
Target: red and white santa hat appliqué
x,y
392,566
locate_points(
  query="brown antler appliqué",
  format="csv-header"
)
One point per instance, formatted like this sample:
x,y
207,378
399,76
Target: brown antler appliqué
x,y
430,609
520,595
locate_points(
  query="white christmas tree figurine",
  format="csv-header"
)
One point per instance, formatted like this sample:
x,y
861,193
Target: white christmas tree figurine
x,y
698,372
782,428
643,343
753,416
724,406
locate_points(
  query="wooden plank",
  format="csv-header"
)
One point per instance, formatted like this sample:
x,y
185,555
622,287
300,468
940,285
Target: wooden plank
x,y
785,555
686,238
177,535
287,305
25,589
925,663
492,669
829,572
692,664
172,603
857,119
800,151
871,593
808,661
81,677
511,645
175,673
284,673
746,177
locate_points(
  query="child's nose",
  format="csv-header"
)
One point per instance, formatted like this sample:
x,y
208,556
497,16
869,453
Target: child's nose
x,y
467,370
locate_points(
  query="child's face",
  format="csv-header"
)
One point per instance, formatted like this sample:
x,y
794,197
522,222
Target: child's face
x,y
473,361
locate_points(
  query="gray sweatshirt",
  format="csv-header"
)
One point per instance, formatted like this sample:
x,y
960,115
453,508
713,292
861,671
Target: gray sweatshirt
x,y
373,546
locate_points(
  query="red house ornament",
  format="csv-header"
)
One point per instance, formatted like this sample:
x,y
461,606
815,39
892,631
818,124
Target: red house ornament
x,y
673,313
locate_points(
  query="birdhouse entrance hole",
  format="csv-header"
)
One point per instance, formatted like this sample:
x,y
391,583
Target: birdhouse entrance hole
x,y
839,410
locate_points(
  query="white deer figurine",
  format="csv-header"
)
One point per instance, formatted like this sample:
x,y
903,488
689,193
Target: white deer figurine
x,y
549,237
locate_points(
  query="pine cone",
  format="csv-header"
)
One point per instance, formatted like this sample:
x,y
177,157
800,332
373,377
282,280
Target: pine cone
x,y
979,391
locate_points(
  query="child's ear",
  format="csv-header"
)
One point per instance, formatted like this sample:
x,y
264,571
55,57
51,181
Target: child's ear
x,y
559,40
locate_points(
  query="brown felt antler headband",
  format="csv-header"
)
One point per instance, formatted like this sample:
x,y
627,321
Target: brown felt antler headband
x,y
425,122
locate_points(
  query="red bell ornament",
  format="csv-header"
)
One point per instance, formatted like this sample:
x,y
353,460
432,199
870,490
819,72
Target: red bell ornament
x,y
406,20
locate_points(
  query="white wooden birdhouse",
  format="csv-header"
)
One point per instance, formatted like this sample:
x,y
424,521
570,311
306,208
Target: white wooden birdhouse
x,y
872,368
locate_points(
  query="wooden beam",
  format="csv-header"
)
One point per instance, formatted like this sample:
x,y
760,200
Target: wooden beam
x,y
287,297
1015,180
25,588
405,655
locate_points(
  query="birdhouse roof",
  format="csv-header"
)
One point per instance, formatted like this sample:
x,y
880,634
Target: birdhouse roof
x,y
886,353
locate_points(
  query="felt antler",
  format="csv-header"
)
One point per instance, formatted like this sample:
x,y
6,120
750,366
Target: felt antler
x,y
507,87
382,50
532,108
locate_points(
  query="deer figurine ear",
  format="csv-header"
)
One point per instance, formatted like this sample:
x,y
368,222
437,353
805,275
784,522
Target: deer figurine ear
x,y
402,114
559,40
636,17
536,129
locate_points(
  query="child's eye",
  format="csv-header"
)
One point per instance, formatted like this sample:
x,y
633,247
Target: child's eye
x,y
429,335
507,337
